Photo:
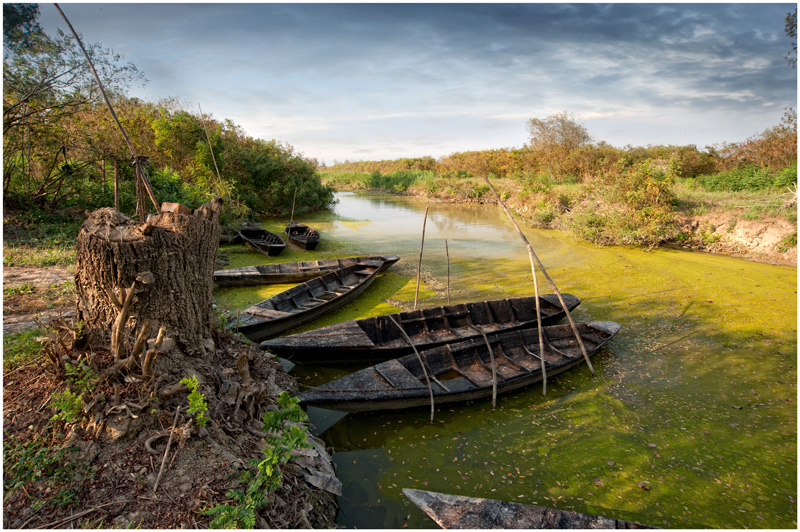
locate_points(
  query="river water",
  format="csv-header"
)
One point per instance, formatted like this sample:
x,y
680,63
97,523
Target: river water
x,y
689,422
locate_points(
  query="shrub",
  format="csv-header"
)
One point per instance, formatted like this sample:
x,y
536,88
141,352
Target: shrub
x,y
748,178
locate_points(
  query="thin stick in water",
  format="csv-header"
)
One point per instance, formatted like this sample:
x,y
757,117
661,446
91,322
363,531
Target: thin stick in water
x,y
419,267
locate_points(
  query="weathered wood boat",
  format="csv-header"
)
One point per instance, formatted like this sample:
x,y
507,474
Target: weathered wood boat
x,y
291,272
302,236
376,339
456,511
461,371
262,240
229,235
306,302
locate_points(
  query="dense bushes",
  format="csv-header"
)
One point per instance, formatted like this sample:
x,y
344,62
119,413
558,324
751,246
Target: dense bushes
x,y
748,178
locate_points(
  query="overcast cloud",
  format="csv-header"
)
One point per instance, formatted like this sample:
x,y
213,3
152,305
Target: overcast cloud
x,y
382,81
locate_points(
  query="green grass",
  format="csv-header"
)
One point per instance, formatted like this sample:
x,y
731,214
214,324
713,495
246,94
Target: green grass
x,y
38,238
20,349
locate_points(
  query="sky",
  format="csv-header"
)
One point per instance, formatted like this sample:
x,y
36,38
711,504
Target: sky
x,y
359,81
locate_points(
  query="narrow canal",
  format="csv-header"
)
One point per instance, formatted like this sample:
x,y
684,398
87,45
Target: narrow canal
x,y
690,421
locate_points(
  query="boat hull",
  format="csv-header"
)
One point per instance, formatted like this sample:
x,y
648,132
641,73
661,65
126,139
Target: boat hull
x,y
459,512
302,236
376,339
263,241
293,272
306,302
462,370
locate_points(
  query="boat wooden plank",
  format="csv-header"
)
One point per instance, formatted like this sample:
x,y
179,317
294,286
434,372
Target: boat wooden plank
x,y
460,512
397,375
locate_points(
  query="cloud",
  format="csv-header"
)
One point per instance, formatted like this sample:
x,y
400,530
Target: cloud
x,y
392,80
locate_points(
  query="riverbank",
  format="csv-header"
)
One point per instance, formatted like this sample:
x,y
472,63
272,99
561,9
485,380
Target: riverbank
x,y
761,227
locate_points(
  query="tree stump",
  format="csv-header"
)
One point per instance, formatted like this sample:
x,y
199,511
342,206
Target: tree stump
x,y
115,254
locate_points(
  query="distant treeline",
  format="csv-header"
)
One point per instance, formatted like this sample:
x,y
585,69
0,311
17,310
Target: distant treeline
x,y
770,152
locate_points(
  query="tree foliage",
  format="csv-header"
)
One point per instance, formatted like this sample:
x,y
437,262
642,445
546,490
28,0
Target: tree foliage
x,y
20,28
61,146
559,130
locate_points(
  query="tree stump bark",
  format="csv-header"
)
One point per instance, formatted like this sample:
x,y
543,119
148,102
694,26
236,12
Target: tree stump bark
x,y
179,251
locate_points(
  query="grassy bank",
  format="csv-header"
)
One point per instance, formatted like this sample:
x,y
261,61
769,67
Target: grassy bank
x,y
646,205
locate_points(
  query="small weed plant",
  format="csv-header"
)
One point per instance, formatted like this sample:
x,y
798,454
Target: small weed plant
x,y
197,401
284,435
68,406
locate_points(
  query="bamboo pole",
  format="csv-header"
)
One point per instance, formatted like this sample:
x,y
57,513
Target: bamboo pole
x,y
209,143
291,218
447,252
419,266
533,257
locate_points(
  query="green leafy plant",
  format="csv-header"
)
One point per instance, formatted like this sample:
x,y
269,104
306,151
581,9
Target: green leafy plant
x,y
68,406
284,435
82,376
197,401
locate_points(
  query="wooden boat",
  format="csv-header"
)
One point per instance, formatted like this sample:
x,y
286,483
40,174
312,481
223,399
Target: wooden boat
x,y
229,236
306,302
302,236
376,339
262,240
462,370
290,272
456,511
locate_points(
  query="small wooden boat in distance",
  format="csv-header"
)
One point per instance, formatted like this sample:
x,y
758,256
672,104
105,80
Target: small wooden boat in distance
x,y
456,511
290,272
306,302
262,240
302,236
461,371
377,338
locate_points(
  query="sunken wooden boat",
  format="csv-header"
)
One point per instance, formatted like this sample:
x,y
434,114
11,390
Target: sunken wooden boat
x,y
292,272
457,511
262,240
461,371
302,236
376,339
306,302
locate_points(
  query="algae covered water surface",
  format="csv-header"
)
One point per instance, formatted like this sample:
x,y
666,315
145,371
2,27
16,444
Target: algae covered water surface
x,y
689,422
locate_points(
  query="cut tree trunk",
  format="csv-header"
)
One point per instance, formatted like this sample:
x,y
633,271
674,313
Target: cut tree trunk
x,y
179,251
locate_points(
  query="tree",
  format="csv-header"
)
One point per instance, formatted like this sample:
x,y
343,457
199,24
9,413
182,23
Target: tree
x,y
19,26
45,82
791,31
557,130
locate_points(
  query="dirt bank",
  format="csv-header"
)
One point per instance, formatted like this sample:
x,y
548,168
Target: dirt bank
x,y
758,240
